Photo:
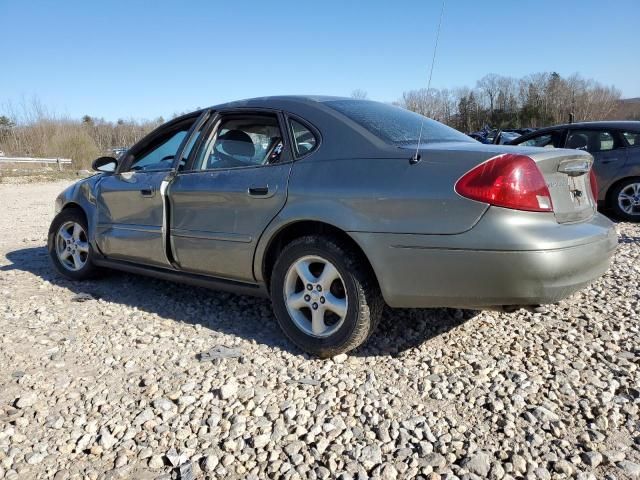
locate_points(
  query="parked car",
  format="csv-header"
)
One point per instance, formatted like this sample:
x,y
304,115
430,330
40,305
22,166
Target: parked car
x,y
615,147
486,135
330,207
505,136
499,136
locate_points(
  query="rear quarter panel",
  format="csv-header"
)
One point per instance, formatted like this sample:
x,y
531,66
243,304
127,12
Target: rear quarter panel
x,y
383,195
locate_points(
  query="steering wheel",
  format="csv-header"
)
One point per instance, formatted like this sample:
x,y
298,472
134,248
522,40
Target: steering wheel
x,y
168,157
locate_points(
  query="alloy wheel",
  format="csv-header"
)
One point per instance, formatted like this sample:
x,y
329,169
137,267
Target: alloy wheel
x,y
629,199
315,296
72,246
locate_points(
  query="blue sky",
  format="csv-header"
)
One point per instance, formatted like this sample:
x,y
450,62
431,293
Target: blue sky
x,y
134,59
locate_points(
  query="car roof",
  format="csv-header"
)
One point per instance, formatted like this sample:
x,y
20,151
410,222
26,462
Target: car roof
x,y
334,127
616,124
278,101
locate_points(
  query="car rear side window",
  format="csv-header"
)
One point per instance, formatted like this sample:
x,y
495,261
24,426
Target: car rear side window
x,y
396,125
242,141
304,140
591,140
632,138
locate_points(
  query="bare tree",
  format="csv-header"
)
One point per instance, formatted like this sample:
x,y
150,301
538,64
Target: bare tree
x,y
359,94
489,85
536,100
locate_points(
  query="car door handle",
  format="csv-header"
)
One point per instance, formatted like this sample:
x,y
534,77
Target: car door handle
x,y
147,192
609,160
259,191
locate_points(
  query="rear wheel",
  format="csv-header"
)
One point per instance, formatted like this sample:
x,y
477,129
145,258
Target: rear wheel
x,y
324,296
625,200
69,246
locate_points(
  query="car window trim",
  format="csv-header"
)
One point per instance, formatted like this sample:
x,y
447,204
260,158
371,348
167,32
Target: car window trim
x,y
309,126
207,130
198,125
562,136
213,123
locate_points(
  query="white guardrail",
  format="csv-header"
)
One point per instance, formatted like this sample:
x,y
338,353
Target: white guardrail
x,y
47,161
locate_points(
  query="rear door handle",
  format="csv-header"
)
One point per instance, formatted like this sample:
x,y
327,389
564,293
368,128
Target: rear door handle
x,y
259,191
147,191
609,160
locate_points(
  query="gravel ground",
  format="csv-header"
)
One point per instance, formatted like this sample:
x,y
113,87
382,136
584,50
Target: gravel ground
x,y
120,383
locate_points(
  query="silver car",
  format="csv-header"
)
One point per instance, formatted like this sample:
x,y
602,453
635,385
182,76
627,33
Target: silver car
x,y
333,207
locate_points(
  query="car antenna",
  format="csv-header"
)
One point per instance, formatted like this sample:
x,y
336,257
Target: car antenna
x,y
416,158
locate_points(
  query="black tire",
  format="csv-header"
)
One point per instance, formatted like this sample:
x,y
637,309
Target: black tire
x,y
89,270
364,307
613,200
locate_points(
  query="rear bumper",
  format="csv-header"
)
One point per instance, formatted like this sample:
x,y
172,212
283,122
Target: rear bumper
x,y
509,258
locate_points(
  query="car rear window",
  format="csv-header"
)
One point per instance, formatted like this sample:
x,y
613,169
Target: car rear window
x,y
396,125
633,138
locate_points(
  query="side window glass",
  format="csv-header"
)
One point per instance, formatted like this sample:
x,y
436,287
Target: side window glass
x,y
605,142
591,140
539,141
632,138
242,141
304,140
160,154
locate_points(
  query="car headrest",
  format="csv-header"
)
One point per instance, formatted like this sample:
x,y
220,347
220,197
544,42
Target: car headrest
x,y
577,141
237,142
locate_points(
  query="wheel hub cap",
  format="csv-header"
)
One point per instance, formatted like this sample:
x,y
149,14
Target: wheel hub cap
x,y
315,296
72,246
629,199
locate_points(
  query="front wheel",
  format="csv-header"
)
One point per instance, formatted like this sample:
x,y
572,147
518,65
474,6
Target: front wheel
x,y
625,200
69,247
324,296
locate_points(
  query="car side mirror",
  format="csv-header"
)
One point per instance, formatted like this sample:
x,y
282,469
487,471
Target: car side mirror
x,y
105,164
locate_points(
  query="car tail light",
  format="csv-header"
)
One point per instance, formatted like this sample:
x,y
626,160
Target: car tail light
x,y
510,181
593,182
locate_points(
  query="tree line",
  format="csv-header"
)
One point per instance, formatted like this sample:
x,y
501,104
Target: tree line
x,y
30,129
536,100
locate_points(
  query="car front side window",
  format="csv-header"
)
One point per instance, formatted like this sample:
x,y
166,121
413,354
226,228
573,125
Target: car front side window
x,y
161,152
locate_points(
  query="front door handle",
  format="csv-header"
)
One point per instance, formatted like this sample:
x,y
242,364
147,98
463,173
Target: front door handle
x,y
609,160
147,191
259,191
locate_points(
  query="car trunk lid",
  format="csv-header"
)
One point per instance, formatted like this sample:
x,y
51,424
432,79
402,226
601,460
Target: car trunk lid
x,y
566,173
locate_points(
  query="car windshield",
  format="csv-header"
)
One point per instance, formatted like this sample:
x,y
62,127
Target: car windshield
x,y
396,125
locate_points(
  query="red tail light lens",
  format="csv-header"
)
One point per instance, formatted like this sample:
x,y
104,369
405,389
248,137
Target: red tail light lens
x,y
593,182
510,181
